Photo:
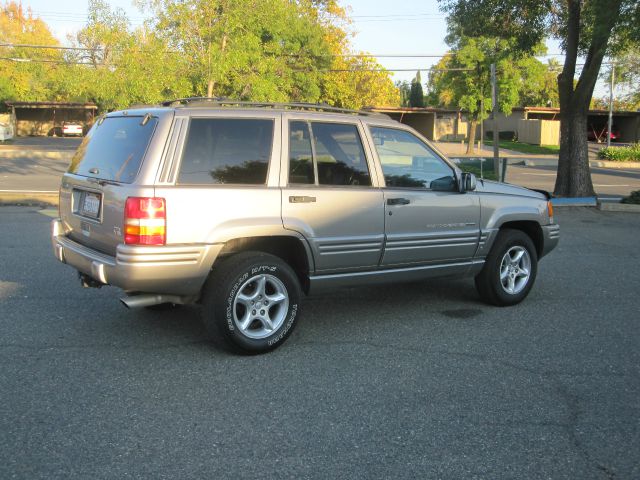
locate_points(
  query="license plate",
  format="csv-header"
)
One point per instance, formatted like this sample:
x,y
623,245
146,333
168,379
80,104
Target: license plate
x,y
90,205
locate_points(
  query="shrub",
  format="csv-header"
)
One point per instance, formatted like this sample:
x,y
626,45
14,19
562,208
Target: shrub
x,y
502,135
633,198
621,154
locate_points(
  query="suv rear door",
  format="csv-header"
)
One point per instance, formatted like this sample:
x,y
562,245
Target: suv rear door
x,y
105,170
331,196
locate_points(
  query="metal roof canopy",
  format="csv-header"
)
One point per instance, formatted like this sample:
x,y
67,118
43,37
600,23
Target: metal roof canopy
x,y
62,105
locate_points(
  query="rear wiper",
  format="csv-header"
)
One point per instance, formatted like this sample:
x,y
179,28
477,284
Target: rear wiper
x,y
102,182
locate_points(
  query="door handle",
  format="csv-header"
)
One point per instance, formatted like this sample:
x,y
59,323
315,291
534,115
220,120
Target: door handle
x,y
398,201
301,199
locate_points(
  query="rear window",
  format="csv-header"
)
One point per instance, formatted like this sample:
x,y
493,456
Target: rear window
x,y
113,149
226,151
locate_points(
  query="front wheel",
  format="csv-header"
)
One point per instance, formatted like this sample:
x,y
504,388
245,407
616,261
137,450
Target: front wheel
x,y
509,270
251,302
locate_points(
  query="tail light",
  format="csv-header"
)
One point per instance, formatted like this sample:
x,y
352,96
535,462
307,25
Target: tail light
x,y
145,221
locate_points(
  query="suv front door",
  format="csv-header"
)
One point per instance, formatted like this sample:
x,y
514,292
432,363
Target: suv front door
x,y
330,197
427,219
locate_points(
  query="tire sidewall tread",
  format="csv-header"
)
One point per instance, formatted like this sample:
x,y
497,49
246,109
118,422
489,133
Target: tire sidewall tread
x,y
488,280
219,293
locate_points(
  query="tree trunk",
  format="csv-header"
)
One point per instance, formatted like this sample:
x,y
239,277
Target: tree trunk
x,y
472,136
574,175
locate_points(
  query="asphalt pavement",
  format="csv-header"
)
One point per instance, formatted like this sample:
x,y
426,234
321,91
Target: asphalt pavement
x,y
403,381
607,182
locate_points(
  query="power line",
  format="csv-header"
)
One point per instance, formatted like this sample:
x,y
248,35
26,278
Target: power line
x,y
52,47
43,60
342,55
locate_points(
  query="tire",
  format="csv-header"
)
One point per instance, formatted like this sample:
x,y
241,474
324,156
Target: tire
x,y
251,302
510,269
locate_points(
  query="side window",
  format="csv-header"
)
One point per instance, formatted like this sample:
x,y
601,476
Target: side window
x,y
334,150
339,155
300,154
226,151
408,162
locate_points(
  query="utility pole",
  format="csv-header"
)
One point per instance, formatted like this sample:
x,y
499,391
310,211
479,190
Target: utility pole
x,y
482,123
613,67
494,111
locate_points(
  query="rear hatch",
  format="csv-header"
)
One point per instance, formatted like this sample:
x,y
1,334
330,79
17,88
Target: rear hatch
x,y
101,177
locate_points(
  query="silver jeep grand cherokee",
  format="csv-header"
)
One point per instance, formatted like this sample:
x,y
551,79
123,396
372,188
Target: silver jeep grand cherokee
x,y
245,207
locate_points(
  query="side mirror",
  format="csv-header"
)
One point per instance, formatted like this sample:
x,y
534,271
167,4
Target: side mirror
x,y
468,182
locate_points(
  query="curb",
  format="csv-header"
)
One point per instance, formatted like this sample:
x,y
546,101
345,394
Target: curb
x,y
34,198
620,207
575,202
51,154
544,162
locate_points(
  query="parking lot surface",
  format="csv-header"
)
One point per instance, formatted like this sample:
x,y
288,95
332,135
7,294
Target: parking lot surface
x,y
404,381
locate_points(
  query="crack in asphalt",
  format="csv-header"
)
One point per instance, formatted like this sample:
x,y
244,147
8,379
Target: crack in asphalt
x,y
571,401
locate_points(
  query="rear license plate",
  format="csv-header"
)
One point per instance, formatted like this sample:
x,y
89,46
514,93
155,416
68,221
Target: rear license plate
x,y
90,204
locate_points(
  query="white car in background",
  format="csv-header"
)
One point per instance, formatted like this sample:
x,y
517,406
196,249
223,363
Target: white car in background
x,y
72,129
5,132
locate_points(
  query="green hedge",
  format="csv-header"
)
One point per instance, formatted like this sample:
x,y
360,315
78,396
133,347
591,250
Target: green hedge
x,y
621,154
633,198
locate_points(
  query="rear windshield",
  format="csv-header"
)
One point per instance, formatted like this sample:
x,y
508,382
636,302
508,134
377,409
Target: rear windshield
x,y
113,149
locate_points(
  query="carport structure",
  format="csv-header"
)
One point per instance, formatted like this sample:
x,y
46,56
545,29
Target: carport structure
x,y
627,123
433,123
47,118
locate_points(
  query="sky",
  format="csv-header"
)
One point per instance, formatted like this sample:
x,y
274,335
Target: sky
x,y
409,27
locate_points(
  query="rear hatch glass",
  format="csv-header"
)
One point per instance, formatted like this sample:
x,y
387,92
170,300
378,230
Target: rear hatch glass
x,y
114,148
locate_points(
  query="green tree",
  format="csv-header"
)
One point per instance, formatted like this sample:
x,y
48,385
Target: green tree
x,y
626,79
589,27
416,94
357,82
353,79
124,67
404,89
247,49
462,79
26,74
538,82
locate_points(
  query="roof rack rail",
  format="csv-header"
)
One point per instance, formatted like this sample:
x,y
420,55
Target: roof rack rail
x,y
225,102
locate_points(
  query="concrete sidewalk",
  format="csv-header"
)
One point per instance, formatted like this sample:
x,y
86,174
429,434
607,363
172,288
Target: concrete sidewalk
x,y
457,150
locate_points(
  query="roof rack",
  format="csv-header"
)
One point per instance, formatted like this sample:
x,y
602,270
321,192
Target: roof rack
x,y
225,102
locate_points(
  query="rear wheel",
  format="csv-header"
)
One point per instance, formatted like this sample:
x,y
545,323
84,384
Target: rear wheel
x,y
509,270
251,302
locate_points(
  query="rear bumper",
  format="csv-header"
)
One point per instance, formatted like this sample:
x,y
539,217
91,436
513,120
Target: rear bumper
x,y
177,270
551,237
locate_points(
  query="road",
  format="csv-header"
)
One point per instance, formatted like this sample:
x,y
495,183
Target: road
x,y
607,182
37,163
403,381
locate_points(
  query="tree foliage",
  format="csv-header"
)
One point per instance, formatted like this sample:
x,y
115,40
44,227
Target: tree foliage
x,y
626,66
21,79
462,79
416,93
593,28
125,67
246,49
353,81
260,50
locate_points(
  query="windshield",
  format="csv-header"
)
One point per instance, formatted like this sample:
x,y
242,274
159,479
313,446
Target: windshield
x,y
113,149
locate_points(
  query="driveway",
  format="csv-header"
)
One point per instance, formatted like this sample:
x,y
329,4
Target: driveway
x,y
401,381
